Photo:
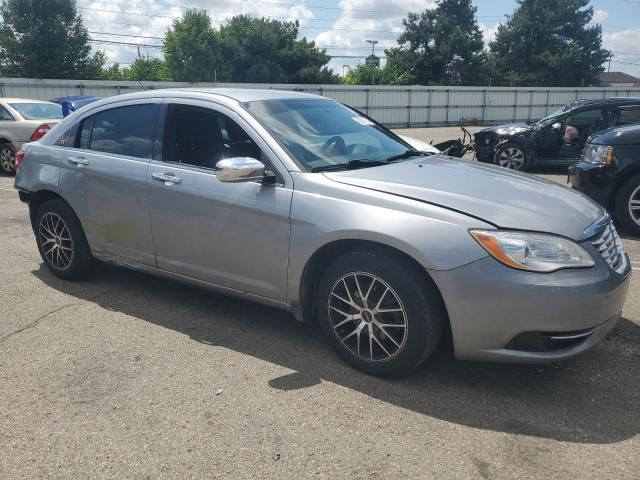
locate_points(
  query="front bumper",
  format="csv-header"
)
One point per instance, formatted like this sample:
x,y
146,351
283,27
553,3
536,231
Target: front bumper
x,y
595,181
493,307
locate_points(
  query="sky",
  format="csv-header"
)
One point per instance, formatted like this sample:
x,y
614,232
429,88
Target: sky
x,y
342,27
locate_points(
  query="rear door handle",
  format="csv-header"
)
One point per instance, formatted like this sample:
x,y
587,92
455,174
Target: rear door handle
x,y
167,178
78,160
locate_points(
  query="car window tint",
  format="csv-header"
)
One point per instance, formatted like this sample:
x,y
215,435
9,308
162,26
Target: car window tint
x,y
586,117
67,139
124,131
202,137
628,115
5,115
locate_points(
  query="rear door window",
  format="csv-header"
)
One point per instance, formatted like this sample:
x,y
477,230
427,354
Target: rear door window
x,y
121,131
4,114
627,115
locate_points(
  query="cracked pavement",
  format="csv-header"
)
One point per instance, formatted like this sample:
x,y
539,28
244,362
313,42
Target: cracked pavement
x,y
130,376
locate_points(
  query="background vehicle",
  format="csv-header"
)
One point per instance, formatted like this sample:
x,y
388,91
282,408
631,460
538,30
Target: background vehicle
x,y
521,146
609,172
299,202
75,102
23,120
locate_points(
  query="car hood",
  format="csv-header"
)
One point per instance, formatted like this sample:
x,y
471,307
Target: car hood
x,y
629,135
502,197
508,129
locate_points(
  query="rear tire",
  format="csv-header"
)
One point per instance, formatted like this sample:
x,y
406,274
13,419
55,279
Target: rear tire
x,y
381,313
512,156
7,159
627,205
61,241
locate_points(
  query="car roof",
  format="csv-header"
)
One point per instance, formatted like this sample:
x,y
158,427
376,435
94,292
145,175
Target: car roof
x,y
22,100
244,94
611,101
74,98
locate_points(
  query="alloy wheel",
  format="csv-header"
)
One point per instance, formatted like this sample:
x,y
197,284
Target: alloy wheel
x,y
368,316
55,240
634,205
7,159
511,157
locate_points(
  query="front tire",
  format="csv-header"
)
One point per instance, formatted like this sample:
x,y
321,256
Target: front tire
x,y
627,205
511,155
7,159
381,313
61,241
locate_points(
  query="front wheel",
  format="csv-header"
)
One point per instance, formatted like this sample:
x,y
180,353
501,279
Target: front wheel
x,y
7,159
511,155
380,312
628,205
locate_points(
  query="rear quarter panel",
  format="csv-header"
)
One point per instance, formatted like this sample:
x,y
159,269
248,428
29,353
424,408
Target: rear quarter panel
x,y
40,169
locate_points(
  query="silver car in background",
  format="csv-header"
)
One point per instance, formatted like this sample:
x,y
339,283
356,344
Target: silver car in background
x,y
297,201
23,120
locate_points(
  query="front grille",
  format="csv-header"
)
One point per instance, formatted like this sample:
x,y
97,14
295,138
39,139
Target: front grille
x,y
610,247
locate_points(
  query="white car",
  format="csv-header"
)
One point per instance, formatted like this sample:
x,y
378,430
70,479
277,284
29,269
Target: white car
x,y
23,120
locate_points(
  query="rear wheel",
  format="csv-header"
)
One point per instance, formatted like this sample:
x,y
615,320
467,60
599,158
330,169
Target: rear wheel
x,y
380,312
7,159
61,240
511,155
628,205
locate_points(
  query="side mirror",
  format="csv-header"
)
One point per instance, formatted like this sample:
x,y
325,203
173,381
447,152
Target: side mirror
x,y
557,126
240,169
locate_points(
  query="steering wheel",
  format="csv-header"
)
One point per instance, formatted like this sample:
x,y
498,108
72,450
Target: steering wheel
x,y
335,144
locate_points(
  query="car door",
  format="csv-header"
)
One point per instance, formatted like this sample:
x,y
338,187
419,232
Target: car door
x,y
104,172
230,234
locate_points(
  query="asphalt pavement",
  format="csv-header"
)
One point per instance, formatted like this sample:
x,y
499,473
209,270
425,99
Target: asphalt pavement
x,y
130,376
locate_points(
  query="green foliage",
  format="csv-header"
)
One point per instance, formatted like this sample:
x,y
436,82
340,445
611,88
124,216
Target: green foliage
x,y
390,74
263,50
147,68
192,49
45,39
442,46
548,43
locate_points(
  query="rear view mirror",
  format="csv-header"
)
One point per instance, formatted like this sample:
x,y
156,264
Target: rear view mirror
x,y
240,169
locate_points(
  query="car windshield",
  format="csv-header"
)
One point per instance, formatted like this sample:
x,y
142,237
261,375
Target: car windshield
x,y
38,111
325,135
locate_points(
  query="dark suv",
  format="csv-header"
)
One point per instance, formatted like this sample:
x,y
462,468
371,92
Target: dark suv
x,y
609,172
523,145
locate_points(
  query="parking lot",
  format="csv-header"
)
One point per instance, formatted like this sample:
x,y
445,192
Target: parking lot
x,y
130,376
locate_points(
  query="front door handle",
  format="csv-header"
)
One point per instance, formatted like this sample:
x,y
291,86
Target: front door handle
x,y
167,178
78,160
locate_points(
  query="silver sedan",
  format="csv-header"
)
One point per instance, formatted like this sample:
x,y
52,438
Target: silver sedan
x,y
23,120
297,201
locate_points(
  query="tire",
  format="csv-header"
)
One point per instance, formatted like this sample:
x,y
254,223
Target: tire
x,y
629,217
409,299
61,241
7,159
511,155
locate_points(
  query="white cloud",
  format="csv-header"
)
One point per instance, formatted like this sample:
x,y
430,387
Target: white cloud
x,y
362,20
600,16
623,45
489,33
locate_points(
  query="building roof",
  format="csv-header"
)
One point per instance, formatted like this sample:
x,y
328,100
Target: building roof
x,y
618,77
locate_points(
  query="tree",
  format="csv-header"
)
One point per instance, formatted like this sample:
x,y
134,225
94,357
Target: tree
x,y
150,69
548,43
192,49
441,46
45,39
372,75
263,50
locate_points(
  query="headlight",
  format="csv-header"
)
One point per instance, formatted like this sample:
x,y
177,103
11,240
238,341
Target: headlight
x,y
535,252
598,154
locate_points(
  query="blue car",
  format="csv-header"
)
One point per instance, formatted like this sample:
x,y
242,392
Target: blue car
x,y
74,102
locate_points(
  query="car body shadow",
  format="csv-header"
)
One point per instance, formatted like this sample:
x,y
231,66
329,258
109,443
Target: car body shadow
x,y
589,400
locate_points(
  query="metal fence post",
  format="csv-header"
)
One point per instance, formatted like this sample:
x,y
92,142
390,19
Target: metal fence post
x,y
81,87
446,120
408,107
530,104
428,107
367,107
1,89
546,108
515,107
484,105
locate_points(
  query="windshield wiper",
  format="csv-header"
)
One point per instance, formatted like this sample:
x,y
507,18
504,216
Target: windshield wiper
x,y
406,154
350,165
